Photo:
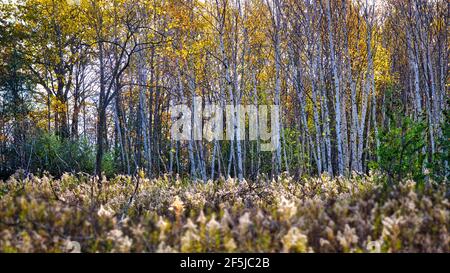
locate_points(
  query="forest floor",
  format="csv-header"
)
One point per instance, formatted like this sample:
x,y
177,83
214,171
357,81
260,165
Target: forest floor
x,y
136,214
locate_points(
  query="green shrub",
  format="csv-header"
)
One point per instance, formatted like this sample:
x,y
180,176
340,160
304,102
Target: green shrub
x,y
401,151
109,167
56,155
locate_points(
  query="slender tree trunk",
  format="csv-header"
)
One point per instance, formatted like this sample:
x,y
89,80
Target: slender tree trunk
x,y
338,105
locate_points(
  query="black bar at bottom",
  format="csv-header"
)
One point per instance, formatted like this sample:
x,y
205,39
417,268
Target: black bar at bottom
x,y
222,262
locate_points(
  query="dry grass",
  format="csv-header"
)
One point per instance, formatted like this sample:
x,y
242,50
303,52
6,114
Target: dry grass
x,y
170,215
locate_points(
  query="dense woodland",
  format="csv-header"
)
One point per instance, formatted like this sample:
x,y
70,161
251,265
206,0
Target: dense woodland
x,y
86,86
89,161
